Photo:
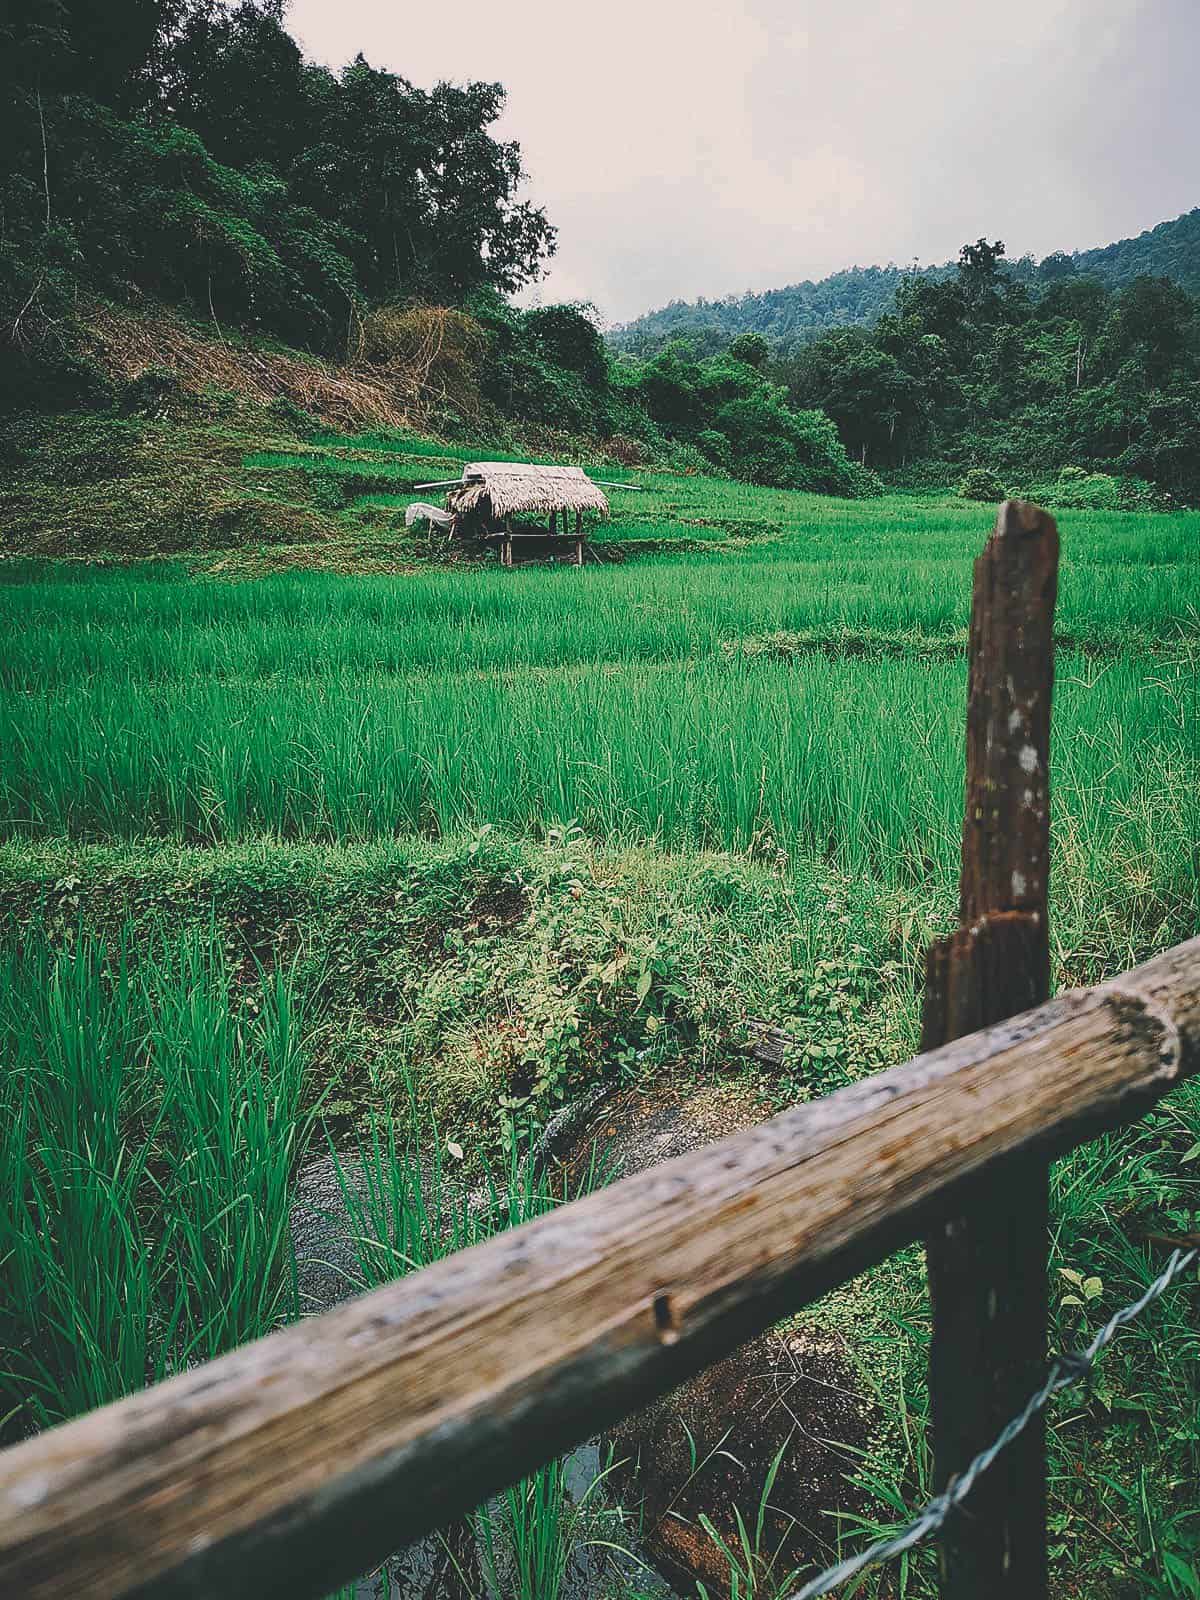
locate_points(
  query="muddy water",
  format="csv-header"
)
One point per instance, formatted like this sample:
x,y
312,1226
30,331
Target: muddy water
x,y
596,1570
327,1269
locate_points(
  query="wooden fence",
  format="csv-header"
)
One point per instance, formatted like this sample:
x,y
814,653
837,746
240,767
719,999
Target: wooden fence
x,y
296,1462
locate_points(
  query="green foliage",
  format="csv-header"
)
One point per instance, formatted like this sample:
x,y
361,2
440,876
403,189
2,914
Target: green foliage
x,y
331,491
72,451
1170,250
156,392
715,447
204,161
830,1012
786,318
316,707
1077,489
150,1122
791,317
750,348
743,423
136,485
981,483
568,337
751,939
1033,369
302,423
48,375
148,1135
269,194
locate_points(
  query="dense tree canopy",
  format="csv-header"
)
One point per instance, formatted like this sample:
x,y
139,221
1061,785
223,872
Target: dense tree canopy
x,y
857,296
186,147
984,368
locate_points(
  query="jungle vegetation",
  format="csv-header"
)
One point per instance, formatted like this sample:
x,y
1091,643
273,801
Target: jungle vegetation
x,y
185,152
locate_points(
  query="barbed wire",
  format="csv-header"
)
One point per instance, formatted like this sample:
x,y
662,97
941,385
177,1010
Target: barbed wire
x,y
1065,1370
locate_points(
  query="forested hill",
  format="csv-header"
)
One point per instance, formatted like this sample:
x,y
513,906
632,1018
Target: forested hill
x,y
785,317
856,296
186,151
1172,250
176,176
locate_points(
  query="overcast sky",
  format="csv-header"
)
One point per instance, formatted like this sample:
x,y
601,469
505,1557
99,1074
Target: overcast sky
x,y
682,149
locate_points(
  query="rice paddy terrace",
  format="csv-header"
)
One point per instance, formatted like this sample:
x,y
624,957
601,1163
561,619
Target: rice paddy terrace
x,y
404,861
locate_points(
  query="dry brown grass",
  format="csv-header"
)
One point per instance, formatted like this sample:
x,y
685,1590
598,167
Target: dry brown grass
x,y
126,341
433,354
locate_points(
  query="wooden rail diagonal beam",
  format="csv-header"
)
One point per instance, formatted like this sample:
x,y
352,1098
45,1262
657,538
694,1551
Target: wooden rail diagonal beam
x,y
292,1464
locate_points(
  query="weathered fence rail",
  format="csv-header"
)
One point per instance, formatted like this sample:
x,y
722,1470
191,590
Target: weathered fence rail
x,y
289,1465
296,1462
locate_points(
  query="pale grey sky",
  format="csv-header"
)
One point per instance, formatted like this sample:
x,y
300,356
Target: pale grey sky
x,y
685,150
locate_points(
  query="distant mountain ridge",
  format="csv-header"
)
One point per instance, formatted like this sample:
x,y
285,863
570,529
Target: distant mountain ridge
x,y
1171,250
858,295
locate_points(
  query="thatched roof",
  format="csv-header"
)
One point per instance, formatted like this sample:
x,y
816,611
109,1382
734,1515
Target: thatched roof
x,y
507,488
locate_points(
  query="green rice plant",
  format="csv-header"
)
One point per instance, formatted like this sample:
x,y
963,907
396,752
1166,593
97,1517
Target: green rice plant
x,y
526,1539
230,1084
855,761
844,579
149,1124
535,1536
405,1209
80,1296
402,1211
795,697
756,1571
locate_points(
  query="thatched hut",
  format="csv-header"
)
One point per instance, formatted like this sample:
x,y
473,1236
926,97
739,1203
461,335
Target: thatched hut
x,y
493,493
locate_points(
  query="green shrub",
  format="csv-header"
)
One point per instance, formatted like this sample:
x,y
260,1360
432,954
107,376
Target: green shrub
x,y
156,392
330,490
70,449
567,336
714,445
49,377
981,483
1079,490
683,456
293,417
923,477
750,348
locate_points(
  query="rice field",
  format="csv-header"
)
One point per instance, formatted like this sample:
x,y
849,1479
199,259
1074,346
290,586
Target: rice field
x,y
797,696
790,702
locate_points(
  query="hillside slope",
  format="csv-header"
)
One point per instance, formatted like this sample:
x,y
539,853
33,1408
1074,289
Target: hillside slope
x,y
787,316
1171,250
856,296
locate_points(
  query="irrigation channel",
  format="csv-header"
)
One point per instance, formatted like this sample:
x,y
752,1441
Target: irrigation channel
x,y
601,1551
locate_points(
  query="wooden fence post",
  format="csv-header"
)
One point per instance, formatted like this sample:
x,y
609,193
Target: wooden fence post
x,y
987,1265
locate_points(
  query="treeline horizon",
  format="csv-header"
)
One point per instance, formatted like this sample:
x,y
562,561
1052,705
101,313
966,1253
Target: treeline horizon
x,y
795,313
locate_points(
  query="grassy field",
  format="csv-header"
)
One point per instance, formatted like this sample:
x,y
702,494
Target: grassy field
x,y
395,860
